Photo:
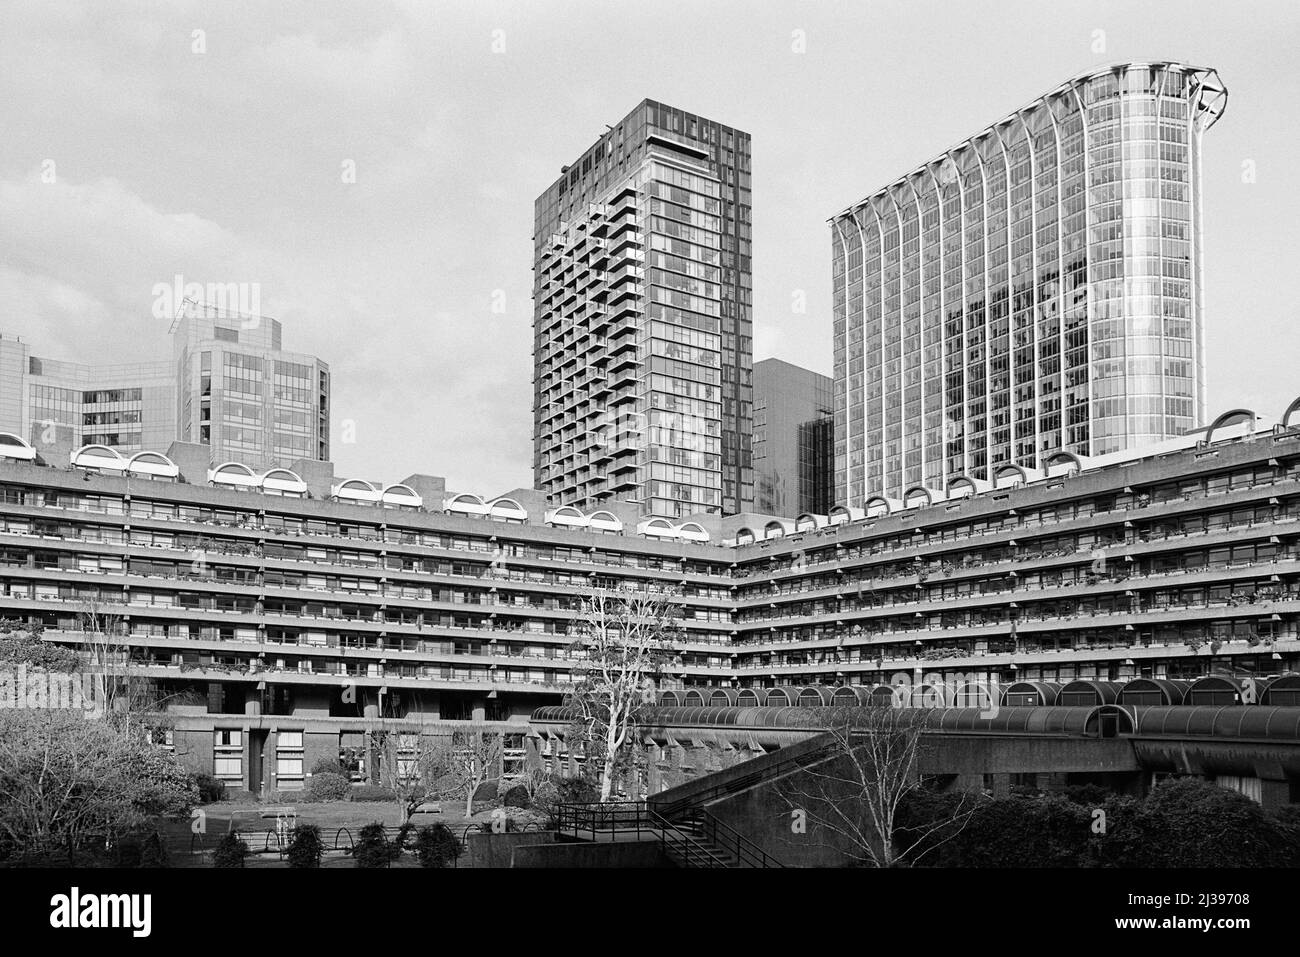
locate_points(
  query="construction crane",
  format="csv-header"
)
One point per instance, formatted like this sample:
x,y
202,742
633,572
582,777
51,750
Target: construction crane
x,y
176,320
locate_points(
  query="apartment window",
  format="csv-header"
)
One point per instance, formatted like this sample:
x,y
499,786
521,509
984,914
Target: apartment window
x,y
228,757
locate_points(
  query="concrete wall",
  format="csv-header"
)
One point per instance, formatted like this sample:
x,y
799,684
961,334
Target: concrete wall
x,y
581,854
500,850
765,813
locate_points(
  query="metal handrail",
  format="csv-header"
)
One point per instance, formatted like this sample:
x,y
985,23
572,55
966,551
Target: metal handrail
x,y
639,818
746,851
695,853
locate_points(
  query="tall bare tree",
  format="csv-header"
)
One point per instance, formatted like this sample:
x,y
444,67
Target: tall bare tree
x,y
625,639
127,697
108,655
852,796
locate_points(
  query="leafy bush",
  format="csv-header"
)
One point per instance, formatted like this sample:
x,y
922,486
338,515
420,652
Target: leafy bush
x,y
518,797
1180,824
1192,823
230,851
373,848
327,786
371,792
1089,795
305,846
211,790
23,645
487,791
1288,815
571,790
327,766
437,846
70,783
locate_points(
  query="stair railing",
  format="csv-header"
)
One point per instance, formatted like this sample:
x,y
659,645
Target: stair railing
x,y
747,853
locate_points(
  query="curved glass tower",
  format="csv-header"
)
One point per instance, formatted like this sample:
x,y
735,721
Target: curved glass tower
x,y
1034,289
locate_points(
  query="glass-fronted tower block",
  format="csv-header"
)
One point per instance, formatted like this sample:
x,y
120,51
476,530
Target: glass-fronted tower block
x,y
1037,288
643,338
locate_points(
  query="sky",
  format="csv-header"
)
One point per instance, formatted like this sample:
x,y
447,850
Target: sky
x,y
372,167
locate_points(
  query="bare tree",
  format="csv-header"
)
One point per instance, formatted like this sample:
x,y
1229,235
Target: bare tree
x,y
108,656
458,764
852,794
420,768
403,767
625,640
127,697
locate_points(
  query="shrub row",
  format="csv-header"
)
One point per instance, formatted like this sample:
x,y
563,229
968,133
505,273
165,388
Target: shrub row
x,y
1181,823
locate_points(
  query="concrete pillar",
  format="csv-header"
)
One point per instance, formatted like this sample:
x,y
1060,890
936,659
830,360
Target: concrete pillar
x,y
1274,794
654,776
372,761
532,752
269,763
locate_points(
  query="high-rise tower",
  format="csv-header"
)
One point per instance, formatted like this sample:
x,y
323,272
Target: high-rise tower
x,y
1035,289
643,338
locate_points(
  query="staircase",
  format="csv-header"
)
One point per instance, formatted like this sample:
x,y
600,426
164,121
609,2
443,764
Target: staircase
x,y
691,838
718,855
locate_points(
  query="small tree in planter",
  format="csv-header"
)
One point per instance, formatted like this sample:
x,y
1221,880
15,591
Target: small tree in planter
x,y
373,849
230,851
437,846
305,847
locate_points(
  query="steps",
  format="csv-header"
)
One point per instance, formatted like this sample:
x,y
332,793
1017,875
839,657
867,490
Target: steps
x,y
722,857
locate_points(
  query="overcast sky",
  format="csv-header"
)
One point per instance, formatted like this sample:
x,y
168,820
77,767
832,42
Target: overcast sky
x,y
227,165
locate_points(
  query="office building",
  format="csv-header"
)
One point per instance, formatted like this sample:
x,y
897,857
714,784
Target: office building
x,y
1036,288
244,397
643,336
127,406
230,387
793,439
292,610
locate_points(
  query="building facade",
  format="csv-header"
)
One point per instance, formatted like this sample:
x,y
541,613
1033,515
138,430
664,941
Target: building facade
x,y
643,336
293,606
243,396
128,406
793,439
229,386
1035,288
